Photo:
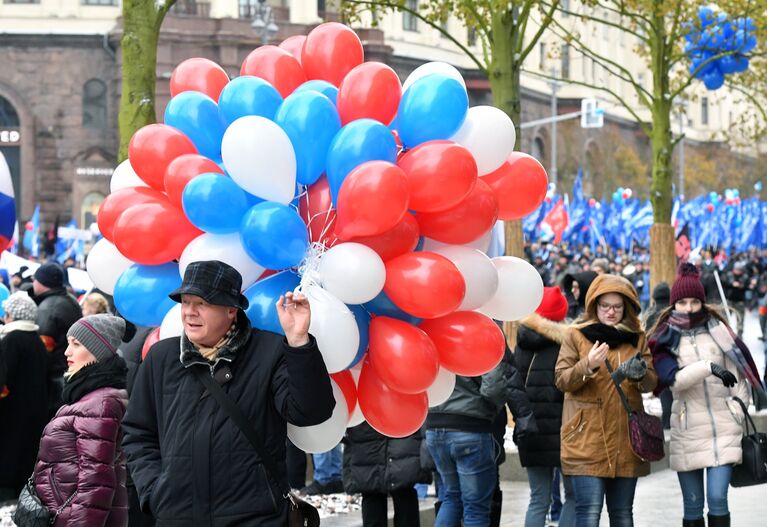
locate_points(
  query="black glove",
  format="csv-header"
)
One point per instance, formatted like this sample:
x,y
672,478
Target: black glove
x,y
728,379
633,369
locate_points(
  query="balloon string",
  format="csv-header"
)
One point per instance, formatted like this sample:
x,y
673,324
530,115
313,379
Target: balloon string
x,y
309,268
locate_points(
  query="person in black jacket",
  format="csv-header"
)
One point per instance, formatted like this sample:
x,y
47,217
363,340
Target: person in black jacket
x,y
376,466
190,462
57,311
538,340
23,408
575,286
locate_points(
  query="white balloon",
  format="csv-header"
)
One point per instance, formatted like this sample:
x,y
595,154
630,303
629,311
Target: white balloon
x,y
334,327
481,244
356,418
478,272
489,135
125,177
171,323
520,290
442,388
105,264
326,435
226,248
352,272
442,68
259,157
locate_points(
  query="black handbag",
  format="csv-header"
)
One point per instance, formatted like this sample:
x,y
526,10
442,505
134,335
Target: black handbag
x,y
31,512
300,513
753,469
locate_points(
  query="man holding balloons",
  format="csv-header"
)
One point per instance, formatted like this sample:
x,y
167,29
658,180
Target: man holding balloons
x,y
190,462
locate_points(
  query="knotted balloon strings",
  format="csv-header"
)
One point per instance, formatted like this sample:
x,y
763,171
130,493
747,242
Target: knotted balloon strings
x,y
309,268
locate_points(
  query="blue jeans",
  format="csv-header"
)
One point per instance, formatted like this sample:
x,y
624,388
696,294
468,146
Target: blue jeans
x,y
327,466
540,479
591,492
466,465
717,482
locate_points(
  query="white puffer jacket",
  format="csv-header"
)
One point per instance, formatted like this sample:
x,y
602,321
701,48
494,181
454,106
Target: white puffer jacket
x,y
706,423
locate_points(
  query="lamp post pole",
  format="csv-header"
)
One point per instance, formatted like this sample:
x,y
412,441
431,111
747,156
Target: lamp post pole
x,y
263,22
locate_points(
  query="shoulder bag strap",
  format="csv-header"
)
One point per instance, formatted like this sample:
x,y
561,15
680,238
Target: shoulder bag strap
x,y
624,400
749,421
242,422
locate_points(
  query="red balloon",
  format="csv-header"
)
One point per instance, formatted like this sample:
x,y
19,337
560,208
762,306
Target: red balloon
x,y
469,343
465,222
276,66
153,233
400,239
403,356
181,171
151,150
424,284
345,381
118,202
391,413
316,209
151,340
373,198
371,90
440,175
198,74
330,52
710,207
294,45
519,184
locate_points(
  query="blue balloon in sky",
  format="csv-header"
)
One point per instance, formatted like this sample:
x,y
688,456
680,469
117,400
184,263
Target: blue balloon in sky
x,y
248,95
215,203
362,317
311,122
323,87
434,107
141,292
196,115
263,296
356,143
274,235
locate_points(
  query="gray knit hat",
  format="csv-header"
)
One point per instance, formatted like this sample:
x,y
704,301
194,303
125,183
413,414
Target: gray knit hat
x,y
20,306
100,334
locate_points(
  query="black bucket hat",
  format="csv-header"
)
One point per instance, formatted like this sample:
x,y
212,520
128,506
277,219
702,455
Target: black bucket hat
x,y
215,282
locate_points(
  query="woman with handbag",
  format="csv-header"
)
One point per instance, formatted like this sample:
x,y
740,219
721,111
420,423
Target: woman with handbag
x,y
705,365
596,449
79,476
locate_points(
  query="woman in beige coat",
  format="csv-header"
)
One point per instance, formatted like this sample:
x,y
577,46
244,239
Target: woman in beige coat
x,y
595,447
698,356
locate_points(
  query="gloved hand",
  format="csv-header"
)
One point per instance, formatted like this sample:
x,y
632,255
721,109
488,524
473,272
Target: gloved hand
x,y
728,379
633,369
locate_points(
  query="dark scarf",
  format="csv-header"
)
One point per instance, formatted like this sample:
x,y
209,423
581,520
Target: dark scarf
x,y
613,336
110,372
666,337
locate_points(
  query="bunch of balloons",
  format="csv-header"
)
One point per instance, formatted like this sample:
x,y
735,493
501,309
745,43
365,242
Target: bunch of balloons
x,y
316,169
622,194
717,46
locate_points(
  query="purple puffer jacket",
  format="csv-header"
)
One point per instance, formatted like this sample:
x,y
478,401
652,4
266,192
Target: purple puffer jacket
x,y
80,452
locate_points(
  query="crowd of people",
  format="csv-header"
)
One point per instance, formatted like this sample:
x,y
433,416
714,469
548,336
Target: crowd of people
x,y
195,432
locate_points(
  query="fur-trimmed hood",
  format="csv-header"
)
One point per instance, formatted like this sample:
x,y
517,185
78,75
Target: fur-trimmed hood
x,y
554,331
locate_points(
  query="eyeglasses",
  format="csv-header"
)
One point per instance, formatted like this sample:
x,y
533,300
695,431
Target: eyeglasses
x,y
616,308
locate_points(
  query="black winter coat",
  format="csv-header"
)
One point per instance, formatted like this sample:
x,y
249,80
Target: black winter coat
x,y
374,463
538,342
23,412
57,310
191,464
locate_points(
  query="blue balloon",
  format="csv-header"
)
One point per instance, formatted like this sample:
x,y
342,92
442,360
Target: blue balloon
x,y
4,294
274,235
323,87
363,324
383,306
356,143
311,122
214,203
741,63
141,292
263,296
196,115
758,186
248,95
713,197
434,107
727,64
706,15
714,79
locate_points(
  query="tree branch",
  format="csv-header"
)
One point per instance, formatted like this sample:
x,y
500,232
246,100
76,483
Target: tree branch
x,y
545,23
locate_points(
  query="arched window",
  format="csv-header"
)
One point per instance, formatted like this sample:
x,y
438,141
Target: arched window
x,y
95,104
8,116
90,208
539,149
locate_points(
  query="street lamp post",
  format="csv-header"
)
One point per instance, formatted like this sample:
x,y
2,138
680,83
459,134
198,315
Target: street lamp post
x,y
263,22
554,110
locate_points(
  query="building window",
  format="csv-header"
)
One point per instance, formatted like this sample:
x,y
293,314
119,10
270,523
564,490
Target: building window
x,y
704,111
471,36
542,56
539,150
605,27
565,61
99,2
409,20
95,104
8,116
322,6
191,8
21,1
90,208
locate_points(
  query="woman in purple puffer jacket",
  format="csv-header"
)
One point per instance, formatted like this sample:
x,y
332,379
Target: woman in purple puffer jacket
x,y
80,469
